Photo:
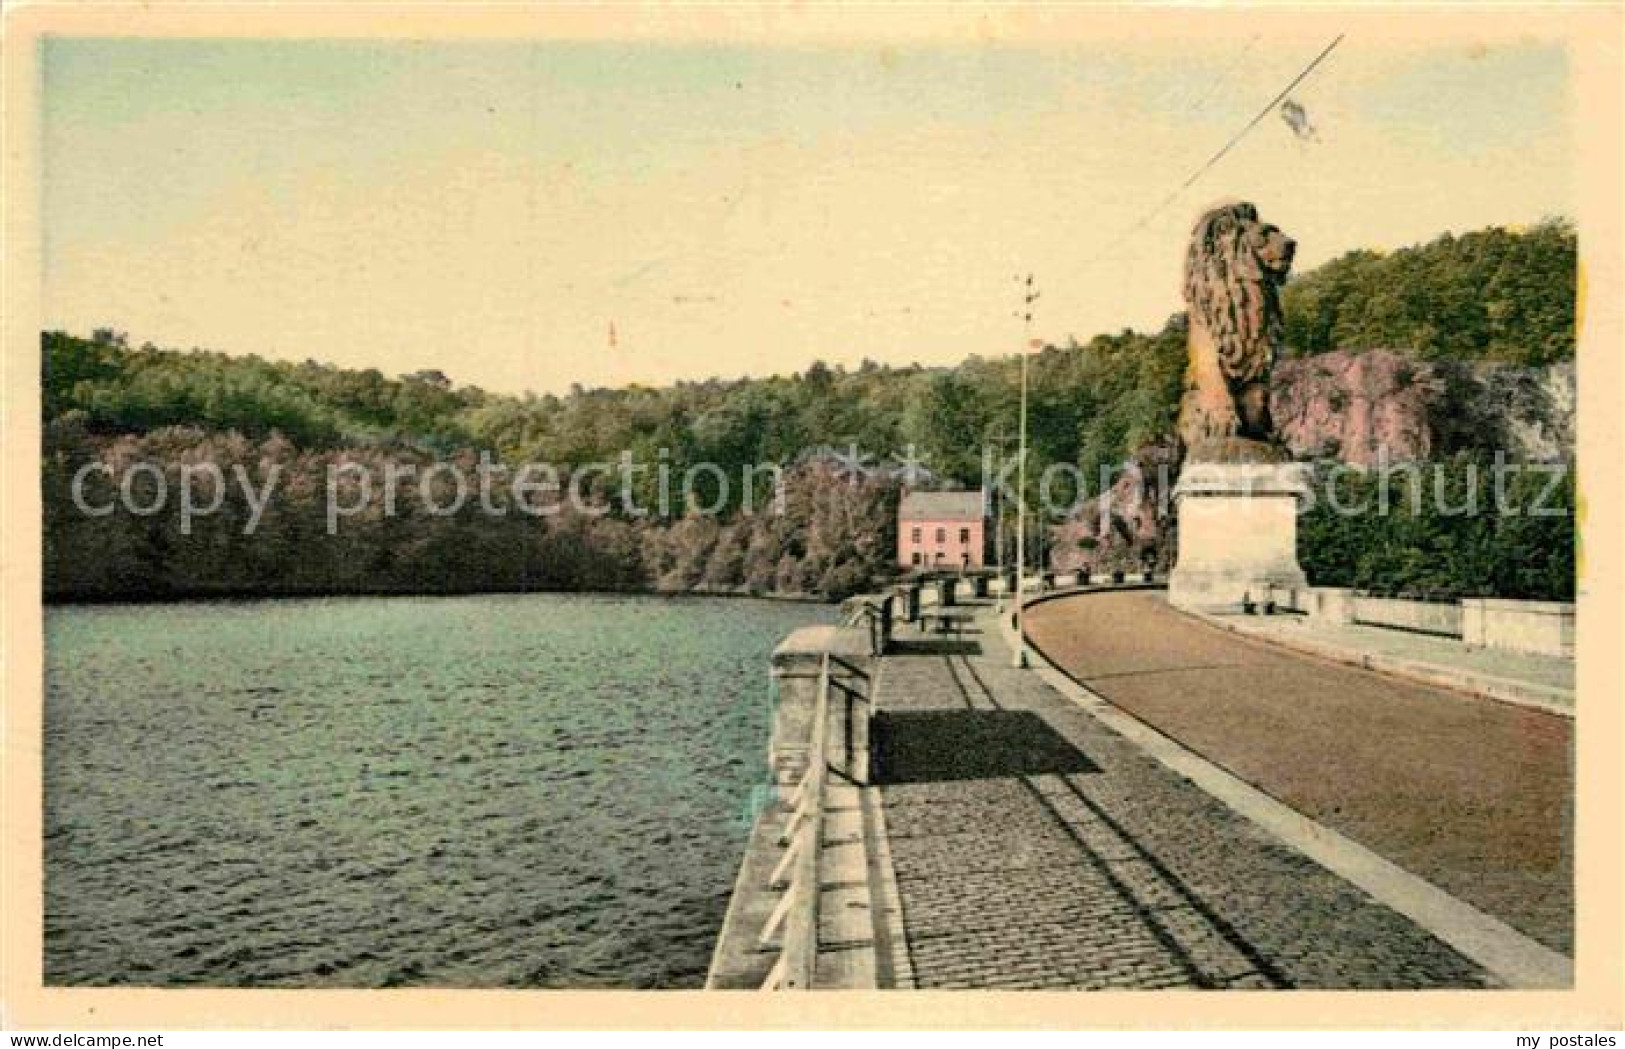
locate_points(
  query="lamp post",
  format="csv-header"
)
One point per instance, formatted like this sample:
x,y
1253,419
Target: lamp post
x,y
998,441
1028,297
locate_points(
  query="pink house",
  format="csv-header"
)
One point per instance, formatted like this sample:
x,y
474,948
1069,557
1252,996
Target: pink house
x,y
942,530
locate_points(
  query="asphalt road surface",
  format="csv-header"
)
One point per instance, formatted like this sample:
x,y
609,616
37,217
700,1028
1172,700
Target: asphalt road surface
x,y
1474,795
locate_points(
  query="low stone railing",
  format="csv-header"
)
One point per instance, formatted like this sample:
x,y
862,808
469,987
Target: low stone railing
x,y
1538,627
1545,627
983,584
1422,617
803,869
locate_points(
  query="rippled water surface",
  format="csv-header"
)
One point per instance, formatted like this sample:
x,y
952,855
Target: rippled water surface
x,y
535,790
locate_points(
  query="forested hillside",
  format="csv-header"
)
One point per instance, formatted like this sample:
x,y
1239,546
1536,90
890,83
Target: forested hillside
x,y
1496,295
1091,401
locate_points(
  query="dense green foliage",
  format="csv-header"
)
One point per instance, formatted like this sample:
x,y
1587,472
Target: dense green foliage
x,y
829,538
1444,529
107,402
1490,295
122,390
1494,294
1089,403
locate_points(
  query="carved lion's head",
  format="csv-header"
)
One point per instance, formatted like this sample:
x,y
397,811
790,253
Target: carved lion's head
x,y
1233,273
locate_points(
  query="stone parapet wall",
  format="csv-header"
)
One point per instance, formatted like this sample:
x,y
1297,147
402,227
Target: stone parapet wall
x,y
1423,617
1543,627
1538,627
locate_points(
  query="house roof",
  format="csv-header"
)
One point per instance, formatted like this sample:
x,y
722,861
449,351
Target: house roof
x,y
941,506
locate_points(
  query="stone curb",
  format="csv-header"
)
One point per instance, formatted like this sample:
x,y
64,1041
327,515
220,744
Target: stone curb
x,y
1544,698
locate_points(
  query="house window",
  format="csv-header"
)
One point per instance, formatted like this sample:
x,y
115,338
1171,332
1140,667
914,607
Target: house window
x,y
942,535
964,537
916,535
916,553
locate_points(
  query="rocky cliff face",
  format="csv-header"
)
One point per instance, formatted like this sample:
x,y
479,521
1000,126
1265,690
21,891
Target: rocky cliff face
x,y
1122,527
1363,408
1356,406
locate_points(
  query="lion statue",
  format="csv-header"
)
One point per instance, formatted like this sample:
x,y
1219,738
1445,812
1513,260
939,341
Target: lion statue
x,y
1233,273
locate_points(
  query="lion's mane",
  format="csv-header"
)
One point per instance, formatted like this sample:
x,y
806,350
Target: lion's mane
x,y
1233,293
1233,273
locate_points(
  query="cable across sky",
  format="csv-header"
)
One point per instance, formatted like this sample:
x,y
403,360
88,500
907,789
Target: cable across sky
x,y
1234,140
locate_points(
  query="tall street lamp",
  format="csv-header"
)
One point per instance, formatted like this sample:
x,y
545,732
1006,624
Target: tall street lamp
x,y
998,441
1028,297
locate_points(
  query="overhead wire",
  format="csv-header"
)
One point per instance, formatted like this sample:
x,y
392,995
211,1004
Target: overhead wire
x,y
1231,144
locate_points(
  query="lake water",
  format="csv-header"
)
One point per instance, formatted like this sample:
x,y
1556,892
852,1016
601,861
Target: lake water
x,y
532,790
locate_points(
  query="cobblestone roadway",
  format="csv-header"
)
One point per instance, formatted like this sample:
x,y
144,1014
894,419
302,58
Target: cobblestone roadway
x,y
1035,848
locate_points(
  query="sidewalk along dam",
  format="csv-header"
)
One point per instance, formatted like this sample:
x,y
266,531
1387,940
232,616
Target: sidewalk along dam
x,y
944,819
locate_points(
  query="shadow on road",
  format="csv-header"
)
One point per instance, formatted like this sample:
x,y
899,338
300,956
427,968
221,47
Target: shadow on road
x,y
934,646
942,745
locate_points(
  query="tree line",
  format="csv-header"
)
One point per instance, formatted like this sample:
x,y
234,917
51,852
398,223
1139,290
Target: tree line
x,y
1493,295
269,531
1450,532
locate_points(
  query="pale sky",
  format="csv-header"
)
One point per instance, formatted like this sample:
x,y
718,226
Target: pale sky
x,y
491,209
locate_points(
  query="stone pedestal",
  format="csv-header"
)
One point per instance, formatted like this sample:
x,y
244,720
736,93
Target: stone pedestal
x,y
1238,532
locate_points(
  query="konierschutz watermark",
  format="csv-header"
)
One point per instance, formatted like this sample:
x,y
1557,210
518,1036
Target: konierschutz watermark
x,y
354,490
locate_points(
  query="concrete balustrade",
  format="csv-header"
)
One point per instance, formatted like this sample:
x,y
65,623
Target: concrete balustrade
x,y
1537,627
1424,617
1542,627
801,915
1333,604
